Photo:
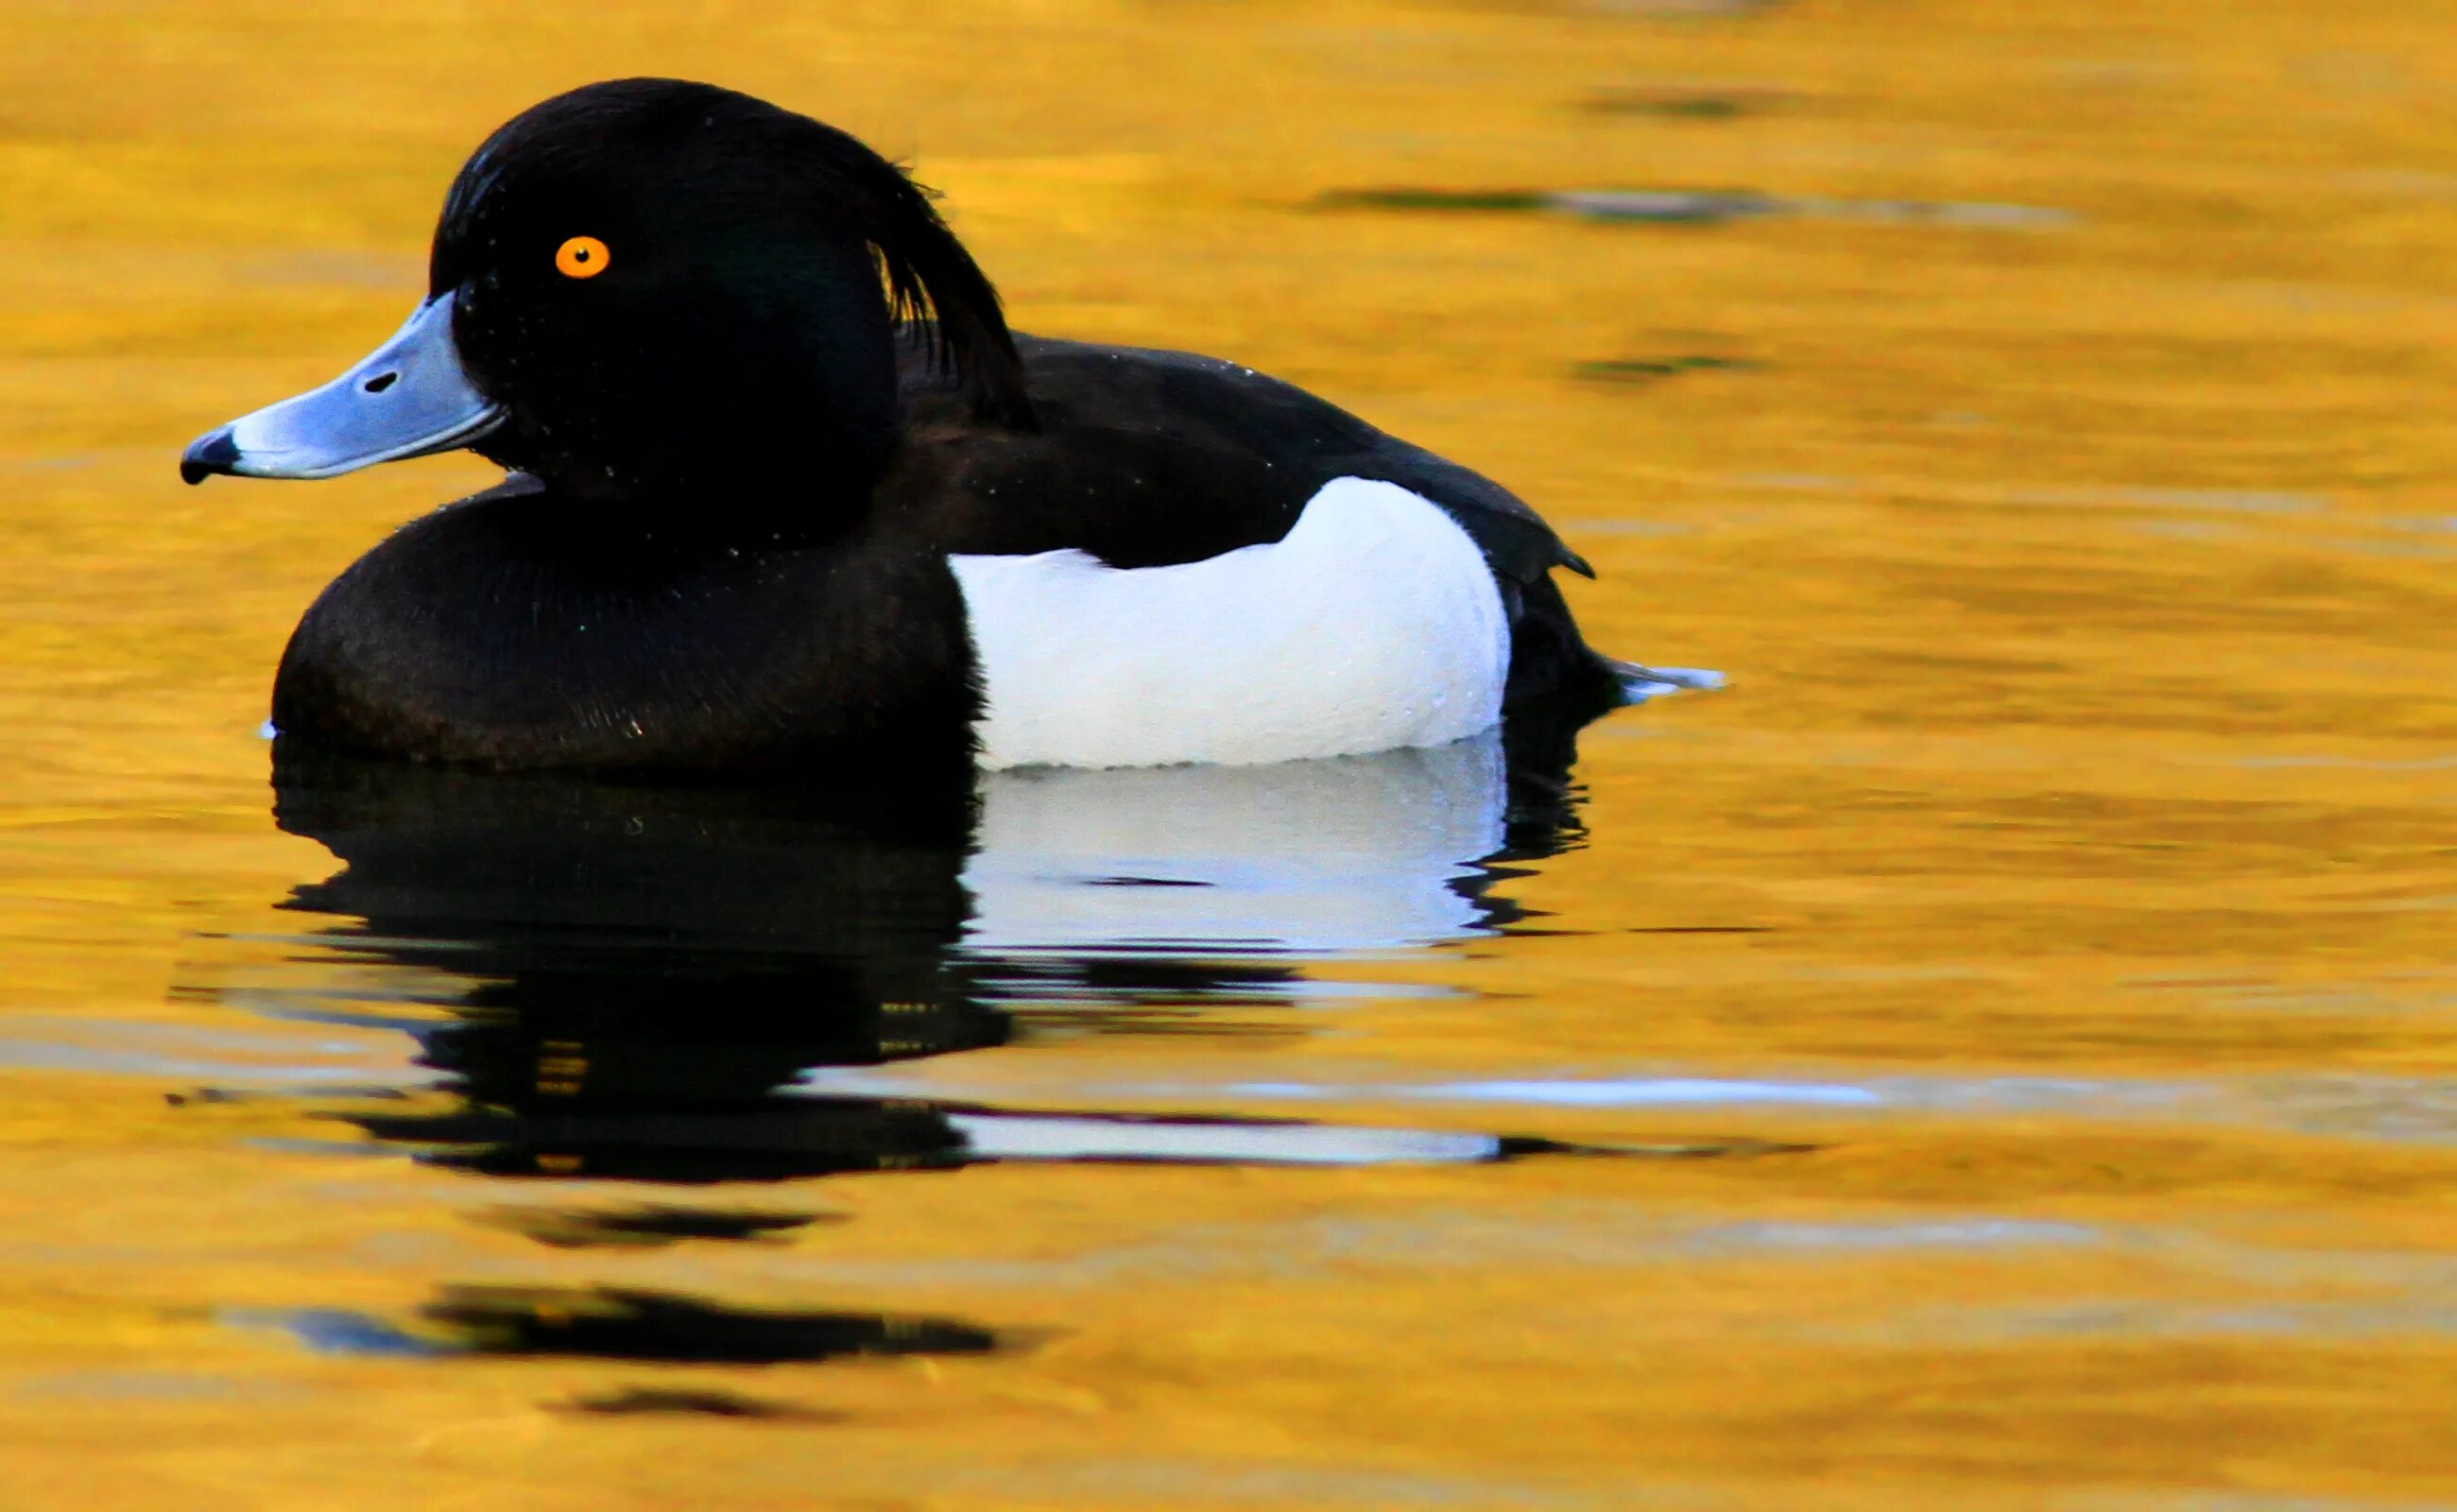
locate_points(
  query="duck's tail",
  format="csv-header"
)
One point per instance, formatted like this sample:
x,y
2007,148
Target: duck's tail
x,y
1639,684
1549,659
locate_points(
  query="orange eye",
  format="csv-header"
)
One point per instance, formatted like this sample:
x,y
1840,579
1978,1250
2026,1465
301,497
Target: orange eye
x,y
581,257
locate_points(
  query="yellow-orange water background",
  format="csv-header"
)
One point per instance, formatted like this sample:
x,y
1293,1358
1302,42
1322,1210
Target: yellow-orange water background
x,y
2084,585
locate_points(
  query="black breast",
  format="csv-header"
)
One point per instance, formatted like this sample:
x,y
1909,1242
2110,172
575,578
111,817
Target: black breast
x,y
515,630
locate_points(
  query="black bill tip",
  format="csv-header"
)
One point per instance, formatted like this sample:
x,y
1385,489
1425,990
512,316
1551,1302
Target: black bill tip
x,y
209,453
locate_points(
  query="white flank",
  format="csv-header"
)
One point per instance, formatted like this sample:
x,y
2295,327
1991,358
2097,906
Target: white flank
x,y
1374,624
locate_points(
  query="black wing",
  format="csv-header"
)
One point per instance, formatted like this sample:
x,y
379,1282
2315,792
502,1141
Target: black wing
x,y
1150,458
1147,458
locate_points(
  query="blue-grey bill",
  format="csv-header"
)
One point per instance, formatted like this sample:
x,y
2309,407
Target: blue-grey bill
x,y
408,398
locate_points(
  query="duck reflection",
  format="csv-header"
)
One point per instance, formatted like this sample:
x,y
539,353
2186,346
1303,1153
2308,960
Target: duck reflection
x,y
639,976
619,1323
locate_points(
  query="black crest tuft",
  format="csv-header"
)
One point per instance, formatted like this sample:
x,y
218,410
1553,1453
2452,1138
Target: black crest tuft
x,y
935,290
946,303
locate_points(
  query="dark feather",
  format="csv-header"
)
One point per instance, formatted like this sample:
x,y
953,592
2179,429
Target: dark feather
x,y
945,304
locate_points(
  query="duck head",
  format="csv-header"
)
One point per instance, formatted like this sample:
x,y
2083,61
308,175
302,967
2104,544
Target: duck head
x,y
649,286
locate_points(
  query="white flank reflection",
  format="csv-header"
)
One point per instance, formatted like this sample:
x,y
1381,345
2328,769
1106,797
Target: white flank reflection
x,y
1025,1136
1349,853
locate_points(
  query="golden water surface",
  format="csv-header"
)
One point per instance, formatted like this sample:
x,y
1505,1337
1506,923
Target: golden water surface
x,y
2019,1007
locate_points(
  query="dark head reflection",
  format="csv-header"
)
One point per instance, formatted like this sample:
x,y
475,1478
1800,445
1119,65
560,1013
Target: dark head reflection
x,y
619,1323
639,976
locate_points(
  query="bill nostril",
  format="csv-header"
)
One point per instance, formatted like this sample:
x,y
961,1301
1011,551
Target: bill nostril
x,y
380,381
